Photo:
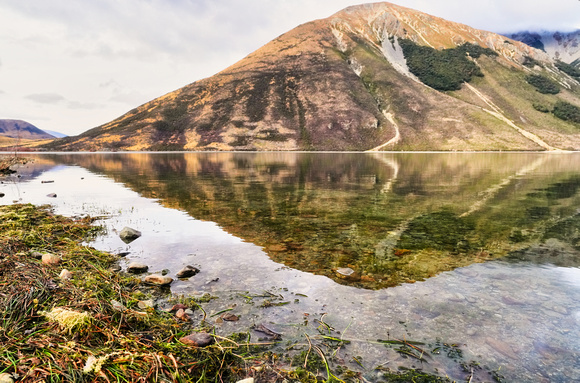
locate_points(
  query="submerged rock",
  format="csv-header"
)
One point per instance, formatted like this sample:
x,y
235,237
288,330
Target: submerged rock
x,y
348,274
158,279
199,339
137,268
128,234
187,271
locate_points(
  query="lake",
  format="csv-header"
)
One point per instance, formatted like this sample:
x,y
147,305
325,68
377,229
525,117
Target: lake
x,y
474,255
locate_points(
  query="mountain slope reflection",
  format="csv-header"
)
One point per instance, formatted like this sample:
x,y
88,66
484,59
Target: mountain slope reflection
x,y
390,217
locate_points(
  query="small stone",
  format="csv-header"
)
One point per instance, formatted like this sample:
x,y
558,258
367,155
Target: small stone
x,y
187,271
137,268
247,380
50,259
36,255
158,279
230,317
2,195
6,378
51,195
199,339
128,234
180,314
118,306
47,182
177,307
147,304
123,253
65,275
348,274
115,268
189,311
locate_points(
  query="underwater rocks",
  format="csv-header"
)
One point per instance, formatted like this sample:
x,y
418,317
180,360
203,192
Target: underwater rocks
x,y
348,274
128,234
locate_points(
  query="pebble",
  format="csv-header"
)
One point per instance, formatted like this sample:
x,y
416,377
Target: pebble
x,y
180,314
65,275
199,339
149,303
187,271
2,195
118,306
50,259
158,279
348,274
129,234
230,317
6,378
51,195
248,380
137,268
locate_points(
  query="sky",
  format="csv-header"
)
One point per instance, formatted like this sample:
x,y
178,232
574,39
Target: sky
x,y
69,66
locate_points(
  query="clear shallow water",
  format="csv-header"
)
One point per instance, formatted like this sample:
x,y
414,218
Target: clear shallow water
x,y
282,223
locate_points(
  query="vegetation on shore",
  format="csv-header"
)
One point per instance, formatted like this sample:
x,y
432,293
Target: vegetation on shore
x,y
87,326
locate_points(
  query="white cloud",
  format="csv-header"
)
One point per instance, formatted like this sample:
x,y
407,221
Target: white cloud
x,y
45,98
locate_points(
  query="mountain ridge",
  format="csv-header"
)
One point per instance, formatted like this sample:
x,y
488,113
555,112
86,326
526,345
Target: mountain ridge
x,y
19,129
343,83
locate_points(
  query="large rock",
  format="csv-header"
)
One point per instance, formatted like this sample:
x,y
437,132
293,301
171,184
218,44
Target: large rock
x,y
128,234
158,280
347,274
198,339
137,268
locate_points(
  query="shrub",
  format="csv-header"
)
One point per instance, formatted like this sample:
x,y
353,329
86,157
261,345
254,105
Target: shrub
x,y
443,69
543,84
567,112
569,69
541,108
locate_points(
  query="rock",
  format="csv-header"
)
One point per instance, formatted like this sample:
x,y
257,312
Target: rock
x,y
177,307
187,271
189,311
115,268
65,275
199,339
128,234
2,195
137,268
180,314
348,274
50,259
6,378
248,380
123,253
230,317
118,306
149,303
36,255
158,279
47,182
51,195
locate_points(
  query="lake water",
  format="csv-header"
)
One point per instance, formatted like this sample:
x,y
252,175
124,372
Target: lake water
x,y
476,255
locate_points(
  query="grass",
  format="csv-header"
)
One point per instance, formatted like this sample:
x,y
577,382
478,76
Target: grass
x,y
89,328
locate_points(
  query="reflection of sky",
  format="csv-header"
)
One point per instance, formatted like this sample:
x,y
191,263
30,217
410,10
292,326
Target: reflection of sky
x,y
524,319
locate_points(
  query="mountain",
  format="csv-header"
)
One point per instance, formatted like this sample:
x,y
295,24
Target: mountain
x,y
19,129
559,46
371,77
56,134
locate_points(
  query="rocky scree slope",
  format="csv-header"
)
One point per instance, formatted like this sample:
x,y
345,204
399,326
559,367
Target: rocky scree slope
x,y
358,81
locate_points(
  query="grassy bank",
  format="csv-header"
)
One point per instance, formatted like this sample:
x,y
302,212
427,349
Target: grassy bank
x,y
89,325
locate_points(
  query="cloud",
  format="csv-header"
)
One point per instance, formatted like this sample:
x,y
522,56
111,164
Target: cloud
x,y
83,105
45,98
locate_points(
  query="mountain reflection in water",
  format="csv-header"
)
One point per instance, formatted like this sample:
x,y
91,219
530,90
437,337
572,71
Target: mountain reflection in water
x,y
390,217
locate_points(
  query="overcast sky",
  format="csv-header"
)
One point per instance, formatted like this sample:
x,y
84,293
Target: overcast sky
x,y
69,65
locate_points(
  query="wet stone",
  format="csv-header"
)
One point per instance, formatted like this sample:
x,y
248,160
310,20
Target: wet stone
x,y
200,339
146,304
348,274
137,268
158,280
2,195
128,234
51,195
187,271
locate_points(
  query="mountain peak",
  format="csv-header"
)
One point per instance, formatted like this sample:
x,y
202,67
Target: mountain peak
x,y
370,77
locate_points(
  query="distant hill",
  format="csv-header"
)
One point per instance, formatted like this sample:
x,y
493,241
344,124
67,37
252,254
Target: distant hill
x,y
19,129
560,46
56,134
371,77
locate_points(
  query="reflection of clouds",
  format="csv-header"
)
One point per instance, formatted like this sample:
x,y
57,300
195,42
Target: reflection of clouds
x,y
570,276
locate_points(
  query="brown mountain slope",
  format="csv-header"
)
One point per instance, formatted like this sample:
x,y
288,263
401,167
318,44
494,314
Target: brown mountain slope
x,y
344,83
